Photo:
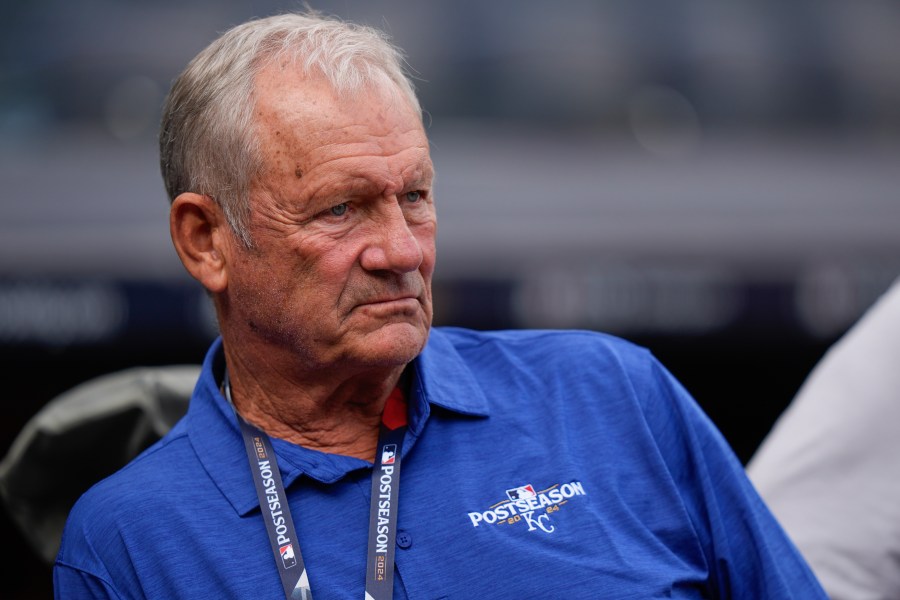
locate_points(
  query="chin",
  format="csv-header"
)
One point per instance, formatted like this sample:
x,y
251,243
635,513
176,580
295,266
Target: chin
x,y
395,345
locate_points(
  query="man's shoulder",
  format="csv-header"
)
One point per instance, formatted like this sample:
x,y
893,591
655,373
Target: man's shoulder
x,y
539,363
131,489
544,345
112,521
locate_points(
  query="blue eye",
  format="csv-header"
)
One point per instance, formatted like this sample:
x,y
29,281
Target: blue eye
x,y
413,196
339,209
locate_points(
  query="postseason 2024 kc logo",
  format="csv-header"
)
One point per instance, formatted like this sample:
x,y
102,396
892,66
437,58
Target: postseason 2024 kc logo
x,y
525,504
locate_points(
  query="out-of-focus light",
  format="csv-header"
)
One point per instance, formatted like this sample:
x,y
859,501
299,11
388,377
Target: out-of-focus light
x,y
24,119
620,300
827,300
663,121
132,107
60,315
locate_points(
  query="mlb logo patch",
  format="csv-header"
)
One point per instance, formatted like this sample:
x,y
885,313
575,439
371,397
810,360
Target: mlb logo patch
x,y
389,454
521,493
287,556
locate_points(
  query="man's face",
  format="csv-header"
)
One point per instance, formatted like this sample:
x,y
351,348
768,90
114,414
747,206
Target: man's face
x,y
343,225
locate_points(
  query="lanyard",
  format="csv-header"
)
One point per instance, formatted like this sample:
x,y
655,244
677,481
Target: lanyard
x,y
382,510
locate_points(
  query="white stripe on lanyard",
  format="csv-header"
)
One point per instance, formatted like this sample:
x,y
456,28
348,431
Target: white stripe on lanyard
x,y
382,509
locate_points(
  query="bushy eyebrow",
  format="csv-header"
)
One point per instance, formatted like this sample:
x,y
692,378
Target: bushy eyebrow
x,y
420,174
352,185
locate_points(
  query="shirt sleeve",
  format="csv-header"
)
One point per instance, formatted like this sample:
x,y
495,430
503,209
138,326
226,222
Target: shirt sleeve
x,y
748,553
79,571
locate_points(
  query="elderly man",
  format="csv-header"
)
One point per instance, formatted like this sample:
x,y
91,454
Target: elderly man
x,y
566,465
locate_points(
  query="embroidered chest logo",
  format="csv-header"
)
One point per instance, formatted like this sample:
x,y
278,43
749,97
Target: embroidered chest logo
x,y
527,505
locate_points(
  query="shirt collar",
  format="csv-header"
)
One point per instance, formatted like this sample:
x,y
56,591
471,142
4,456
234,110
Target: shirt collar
x,y
444,379
441,378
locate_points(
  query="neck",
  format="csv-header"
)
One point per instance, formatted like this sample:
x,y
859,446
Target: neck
x,y
338,415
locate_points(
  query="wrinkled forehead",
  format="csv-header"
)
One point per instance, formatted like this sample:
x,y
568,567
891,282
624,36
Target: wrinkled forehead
x,y
292,104
284,87
304,124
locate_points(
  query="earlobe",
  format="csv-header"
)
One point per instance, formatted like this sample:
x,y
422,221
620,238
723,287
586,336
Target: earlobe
x,y
198,231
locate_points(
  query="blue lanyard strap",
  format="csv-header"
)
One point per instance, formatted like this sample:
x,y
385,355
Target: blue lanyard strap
x,y
382,510
383,513
276,513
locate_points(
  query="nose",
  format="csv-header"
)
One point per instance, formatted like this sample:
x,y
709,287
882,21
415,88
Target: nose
x,y
393,245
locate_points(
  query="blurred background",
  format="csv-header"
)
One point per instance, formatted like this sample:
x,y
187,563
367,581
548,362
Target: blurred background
x,y
716,180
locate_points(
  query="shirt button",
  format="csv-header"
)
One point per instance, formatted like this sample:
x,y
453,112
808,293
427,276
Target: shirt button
x,y
404,540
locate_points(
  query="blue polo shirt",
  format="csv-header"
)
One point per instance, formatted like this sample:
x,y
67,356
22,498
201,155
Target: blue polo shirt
x,y
537,463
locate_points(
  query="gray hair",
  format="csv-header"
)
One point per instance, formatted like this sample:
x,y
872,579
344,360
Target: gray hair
x,y
207,141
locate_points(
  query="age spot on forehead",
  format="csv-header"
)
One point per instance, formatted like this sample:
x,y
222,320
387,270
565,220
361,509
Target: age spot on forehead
x,y
298,172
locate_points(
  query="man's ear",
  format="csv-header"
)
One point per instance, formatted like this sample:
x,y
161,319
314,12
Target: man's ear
x,y
200,233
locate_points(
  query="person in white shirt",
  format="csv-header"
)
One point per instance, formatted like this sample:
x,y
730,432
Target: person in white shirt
x,y
830,468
